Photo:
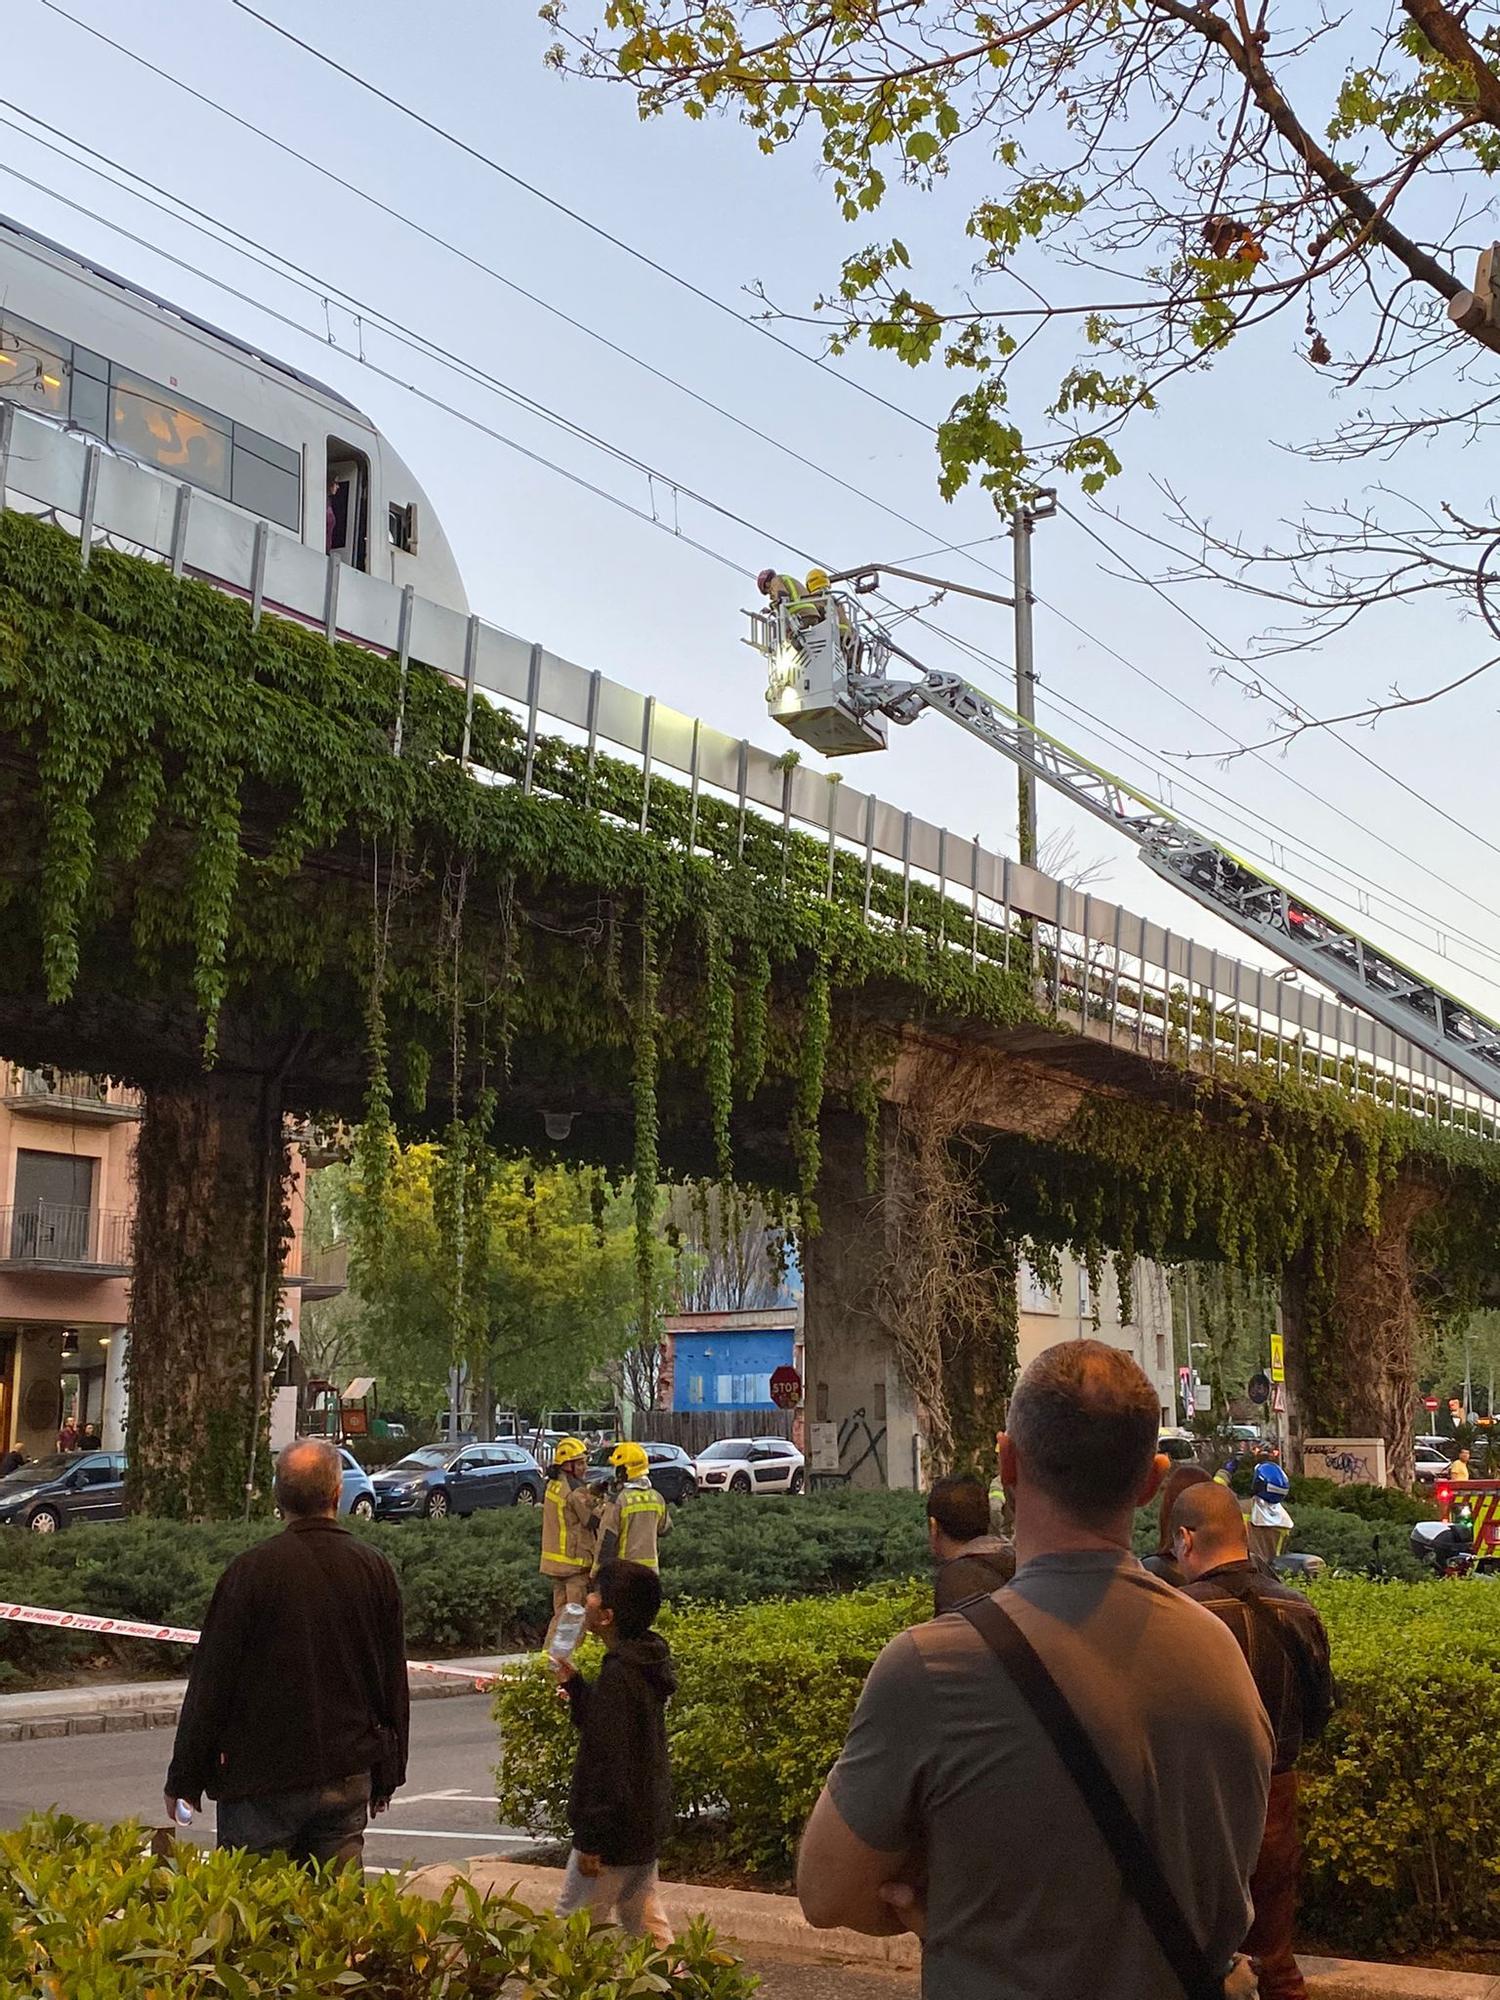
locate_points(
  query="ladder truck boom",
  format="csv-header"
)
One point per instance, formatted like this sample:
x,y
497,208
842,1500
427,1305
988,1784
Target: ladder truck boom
x,y
831,684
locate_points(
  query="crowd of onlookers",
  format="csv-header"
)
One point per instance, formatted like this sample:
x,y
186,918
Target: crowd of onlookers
x,y
1080,1776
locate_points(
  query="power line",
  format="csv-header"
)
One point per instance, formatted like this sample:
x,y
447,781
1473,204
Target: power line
x,y
718,409
487,160
198,219
768,438
1251,687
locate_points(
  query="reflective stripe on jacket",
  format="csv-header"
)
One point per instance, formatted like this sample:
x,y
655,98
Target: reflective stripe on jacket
x,y
633,1521
567,1545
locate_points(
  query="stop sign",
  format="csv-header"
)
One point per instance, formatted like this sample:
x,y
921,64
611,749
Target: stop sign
x,y
786,1388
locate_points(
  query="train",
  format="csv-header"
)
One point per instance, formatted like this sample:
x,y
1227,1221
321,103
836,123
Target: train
x,y
104,357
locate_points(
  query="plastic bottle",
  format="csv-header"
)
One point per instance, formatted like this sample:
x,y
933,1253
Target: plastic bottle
x,y
182,1812
567,1632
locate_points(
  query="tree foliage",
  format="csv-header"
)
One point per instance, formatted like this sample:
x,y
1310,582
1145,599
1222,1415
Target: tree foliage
x,y
1142,184
557,1297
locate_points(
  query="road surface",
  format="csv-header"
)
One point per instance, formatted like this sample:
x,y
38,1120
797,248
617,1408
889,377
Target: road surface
x,y
445,1813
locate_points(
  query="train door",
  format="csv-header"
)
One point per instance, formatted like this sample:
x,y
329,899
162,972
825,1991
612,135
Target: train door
x,y
348,519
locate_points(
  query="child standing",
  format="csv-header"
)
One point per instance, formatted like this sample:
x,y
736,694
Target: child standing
x,y
620,1804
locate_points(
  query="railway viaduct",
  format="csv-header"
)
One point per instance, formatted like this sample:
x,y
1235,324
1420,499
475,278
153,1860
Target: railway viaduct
x,y
277,842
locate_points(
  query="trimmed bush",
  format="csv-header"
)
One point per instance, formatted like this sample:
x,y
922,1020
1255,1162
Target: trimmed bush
x,y
765,1698
1398,1855
469,1586
1370,1503
89,1914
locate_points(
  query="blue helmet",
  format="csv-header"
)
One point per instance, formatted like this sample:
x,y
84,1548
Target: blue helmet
x,y
1270,1482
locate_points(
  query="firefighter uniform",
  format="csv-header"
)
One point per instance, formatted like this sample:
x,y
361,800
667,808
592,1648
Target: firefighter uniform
x,y
635,1515
568,1530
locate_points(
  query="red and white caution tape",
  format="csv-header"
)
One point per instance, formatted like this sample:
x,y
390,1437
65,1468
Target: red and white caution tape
x,y
130,1628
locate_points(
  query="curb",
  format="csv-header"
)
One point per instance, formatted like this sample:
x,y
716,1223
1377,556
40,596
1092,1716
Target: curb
x,y
84,1712
747,1917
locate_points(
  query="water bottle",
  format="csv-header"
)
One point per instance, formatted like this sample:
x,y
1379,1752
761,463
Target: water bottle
x,y
567,1632
182,1812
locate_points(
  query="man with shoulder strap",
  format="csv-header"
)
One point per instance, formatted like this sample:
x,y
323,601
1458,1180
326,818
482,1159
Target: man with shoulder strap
x,y
635,1516
1286,1647
952,1810
568,1512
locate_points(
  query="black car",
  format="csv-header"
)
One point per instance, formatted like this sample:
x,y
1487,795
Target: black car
x,y
670,1470
443,1479
66,1486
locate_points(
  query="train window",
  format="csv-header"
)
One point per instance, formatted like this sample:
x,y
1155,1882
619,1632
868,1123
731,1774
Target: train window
x,y
33,365
403,527
266,478
164,429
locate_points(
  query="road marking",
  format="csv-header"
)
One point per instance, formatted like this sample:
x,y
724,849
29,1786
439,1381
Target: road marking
x,y
448,1798
435,1833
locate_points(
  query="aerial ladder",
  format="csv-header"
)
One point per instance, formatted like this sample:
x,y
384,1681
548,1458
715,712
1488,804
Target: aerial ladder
x,y
836,682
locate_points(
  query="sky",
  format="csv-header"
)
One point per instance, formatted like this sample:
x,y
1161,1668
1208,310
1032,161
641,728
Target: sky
x,y
1393,828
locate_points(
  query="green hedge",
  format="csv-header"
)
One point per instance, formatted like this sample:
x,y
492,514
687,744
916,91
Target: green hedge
x,y
469,1586
88,1914
1398,1838
764,1699
472,1586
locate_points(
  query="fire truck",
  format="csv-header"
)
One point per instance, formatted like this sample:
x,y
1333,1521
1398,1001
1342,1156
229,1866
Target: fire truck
x,y
1466,1538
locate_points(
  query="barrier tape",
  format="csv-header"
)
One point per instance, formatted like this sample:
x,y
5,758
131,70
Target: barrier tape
x,y
130,1628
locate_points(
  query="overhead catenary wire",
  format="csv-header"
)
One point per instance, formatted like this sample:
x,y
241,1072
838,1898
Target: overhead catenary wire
x,y
531,188
283,266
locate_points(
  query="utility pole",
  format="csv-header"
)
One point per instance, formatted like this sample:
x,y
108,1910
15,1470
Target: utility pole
x,y
1024,517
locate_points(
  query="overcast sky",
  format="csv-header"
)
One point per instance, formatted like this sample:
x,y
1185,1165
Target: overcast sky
x,y
553,562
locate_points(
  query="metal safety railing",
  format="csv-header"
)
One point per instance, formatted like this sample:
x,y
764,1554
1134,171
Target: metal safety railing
x,y
1102,969
63,1235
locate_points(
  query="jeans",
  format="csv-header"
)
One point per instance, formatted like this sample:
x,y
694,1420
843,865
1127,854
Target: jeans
x,y
1273,1889
629,1896
323,1823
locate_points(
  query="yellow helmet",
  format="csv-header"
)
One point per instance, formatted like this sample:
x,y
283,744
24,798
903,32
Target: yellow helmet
x,y
817,579
630,1459
569,1449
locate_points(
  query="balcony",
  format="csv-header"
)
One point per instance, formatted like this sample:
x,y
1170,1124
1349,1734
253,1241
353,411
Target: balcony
x,y
321,1274
69,1093
49,1236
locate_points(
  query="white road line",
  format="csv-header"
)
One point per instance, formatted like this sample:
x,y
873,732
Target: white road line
x,y
447,1798
434,1833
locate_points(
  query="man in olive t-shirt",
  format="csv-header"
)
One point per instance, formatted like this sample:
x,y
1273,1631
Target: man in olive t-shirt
x,y
949,1812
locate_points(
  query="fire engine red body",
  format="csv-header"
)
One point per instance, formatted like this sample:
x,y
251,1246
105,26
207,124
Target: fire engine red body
x,y
1480,1499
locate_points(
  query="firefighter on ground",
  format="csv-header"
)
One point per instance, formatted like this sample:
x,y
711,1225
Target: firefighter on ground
x,y
1270,1524
635,1515
568,1528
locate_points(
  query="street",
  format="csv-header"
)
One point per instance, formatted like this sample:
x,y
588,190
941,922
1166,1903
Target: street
x,y
447,1810
445,1813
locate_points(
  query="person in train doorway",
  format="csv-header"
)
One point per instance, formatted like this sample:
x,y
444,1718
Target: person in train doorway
x,y
569,1525
635,1516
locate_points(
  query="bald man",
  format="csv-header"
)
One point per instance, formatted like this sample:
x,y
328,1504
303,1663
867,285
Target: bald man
x,y
295,1717
1286,1647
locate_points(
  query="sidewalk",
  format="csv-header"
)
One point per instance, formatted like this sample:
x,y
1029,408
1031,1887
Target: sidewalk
x,y
774,1922
90,1710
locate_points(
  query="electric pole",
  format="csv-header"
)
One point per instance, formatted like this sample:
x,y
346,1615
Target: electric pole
x,y
1024,517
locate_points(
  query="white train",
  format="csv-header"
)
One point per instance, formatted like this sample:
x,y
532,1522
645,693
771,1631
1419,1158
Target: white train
x,y
106,358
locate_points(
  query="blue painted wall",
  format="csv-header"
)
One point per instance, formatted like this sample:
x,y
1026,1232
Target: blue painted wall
x,y
724,1370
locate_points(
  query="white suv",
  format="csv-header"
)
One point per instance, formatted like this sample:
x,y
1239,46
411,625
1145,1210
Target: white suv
x,y
751,1465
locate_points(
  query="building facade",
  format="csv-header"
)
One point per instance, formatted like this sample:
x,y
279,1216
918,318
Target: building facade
x,y
724,1361
1049,1313
67,1200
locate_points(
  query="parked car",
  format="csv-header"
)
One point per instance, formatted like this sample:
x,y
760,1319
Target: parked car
x,y
441,1479
63,1488
671,1469
1431,1464
751,1465
357,1494
1180,1446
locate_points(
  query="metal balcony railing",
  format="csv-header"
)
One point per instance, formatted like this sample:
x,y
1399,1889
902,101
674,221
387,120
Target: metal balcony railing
x,y
69,1090
59,1236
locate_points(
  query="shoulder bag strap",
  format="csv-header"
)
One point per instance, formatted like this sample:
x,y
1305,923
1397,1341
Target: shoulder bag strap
x,y
1139,1869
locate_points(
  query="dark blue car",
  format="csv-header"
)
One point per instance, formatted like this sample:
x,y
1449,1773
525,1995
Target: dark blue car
x,y
441,1479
